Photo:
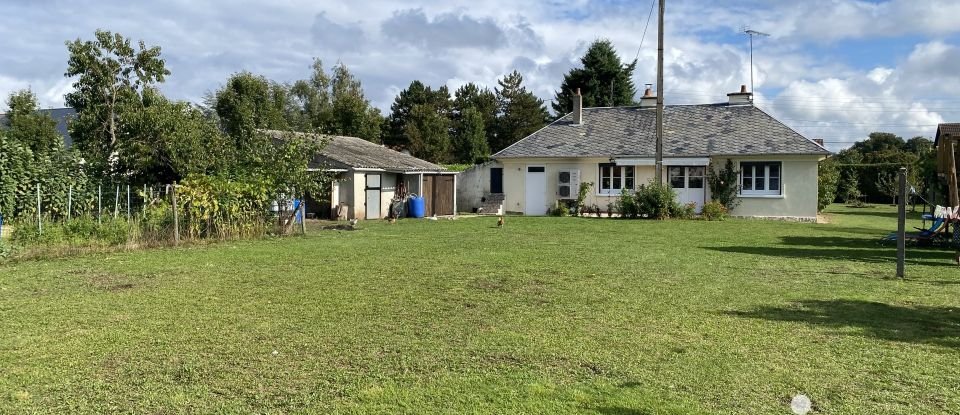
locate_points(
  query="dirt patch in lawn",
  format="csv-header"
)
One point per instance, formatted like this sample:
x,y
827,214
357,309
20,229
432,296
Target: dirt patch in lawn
x,y
338,228
110,282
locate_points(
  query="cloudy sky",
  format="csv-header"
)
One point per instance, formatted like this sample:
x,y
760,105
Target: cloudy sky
x,y
832,69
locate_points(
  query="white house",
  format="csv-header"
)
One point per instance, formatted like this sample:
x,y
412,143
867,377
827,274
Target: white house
x,y
615,149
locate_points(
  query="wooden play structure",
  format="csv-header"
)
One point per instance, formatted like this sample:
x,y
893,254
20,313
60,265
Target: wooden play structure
x,y
948,135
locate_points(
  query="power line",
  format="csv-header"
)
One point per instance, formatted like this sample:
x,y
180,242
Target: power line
x,y
812,97
649,15
845,123
826,100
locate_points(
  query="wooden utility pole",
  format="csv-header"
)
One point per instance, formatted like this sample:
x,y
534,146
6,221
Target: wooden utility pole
x,y
902,222
659,156
951,147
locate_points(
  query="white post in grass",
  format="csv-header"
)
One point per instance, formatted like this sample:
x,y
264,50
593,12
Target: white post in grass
x,y
116,203
303,216
39,221
99,202
128,203
176,218
69,202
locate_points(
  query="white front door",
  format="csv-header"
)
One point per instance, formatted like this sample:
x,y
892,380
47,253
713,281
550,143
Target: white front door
x,y
535,203
689,183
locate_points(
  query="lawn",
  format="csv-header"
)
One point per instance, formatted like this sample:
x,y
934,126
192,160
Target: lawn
x,y
547,315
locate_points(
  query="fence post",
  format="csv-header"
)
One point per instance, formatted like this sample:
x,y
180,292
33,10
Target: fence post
x,y
116,203
128,203
70,202
99,202
39,221
303,217
176,219
143,206
901,222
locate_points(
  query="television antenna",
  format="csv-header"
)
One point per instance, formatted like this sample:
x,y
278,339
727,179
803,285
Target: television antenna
x,y
752,33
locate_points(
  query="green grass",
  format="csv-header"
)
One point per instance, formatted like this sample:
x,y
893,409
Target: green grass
x,y
548,315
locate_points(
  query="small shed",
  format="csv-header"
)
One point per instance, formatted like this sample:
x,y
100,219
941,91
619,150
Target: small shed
x,y
370,177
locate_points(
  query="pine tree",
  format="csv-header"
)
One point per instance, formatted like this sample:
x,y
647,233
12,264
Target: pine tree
x,y
470,140
520,112
401,111
428,132
604,80
473,118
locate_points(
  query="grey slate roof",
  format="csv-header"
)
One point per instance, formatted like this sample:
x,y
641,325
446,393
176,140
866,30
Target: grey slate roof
x,y
351,152
62,116
689,131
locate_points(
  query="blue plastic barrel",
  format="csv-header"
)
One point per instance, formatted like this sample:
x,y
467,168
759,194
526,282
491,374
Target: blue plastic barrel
x,y
416,207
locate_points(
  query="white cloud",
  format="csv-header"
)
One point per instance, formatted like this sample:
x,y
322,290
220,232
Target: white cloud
x,y
457,41
898,100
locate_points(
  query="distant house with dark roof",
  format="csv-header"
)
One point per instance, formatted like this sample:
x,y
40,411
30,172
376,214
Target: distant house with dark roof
x,y
62,116
615,148
370,176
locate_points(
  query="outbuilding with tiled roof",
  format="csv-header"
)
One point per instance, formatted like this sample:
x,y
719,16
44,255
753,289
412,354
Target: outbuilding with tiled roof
x,y
374,182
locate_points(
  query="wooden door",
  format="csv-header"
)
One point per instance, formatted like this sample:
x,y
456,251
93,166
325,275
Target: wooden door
x,y
427,190
443,195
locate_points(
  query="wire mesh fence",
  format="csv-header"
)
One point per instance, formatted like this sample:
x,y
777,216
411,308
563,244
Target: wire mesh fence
x,y
113,214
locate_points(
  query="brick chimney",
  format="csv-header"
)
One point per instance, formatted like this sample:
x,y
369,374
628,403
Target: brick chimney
x,y
649,100
741,98
578,108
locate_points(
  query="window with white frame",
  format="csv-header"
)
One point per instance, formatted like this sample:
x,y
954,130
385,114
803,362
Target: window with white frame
x,y
614,179
760,178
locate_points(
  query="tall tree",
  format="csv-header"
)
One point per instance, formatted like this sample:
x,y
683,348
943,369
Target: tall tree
x,y
429,133
604,80
920,146
484,102
334,104
312,97
175,140
520,112
469,137
352,114
250,102
27,126
111,77
401,111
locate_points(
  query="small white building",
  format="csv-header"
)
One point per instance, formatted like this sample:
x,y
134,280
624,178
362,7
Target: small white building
x,y
614,148
370,177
